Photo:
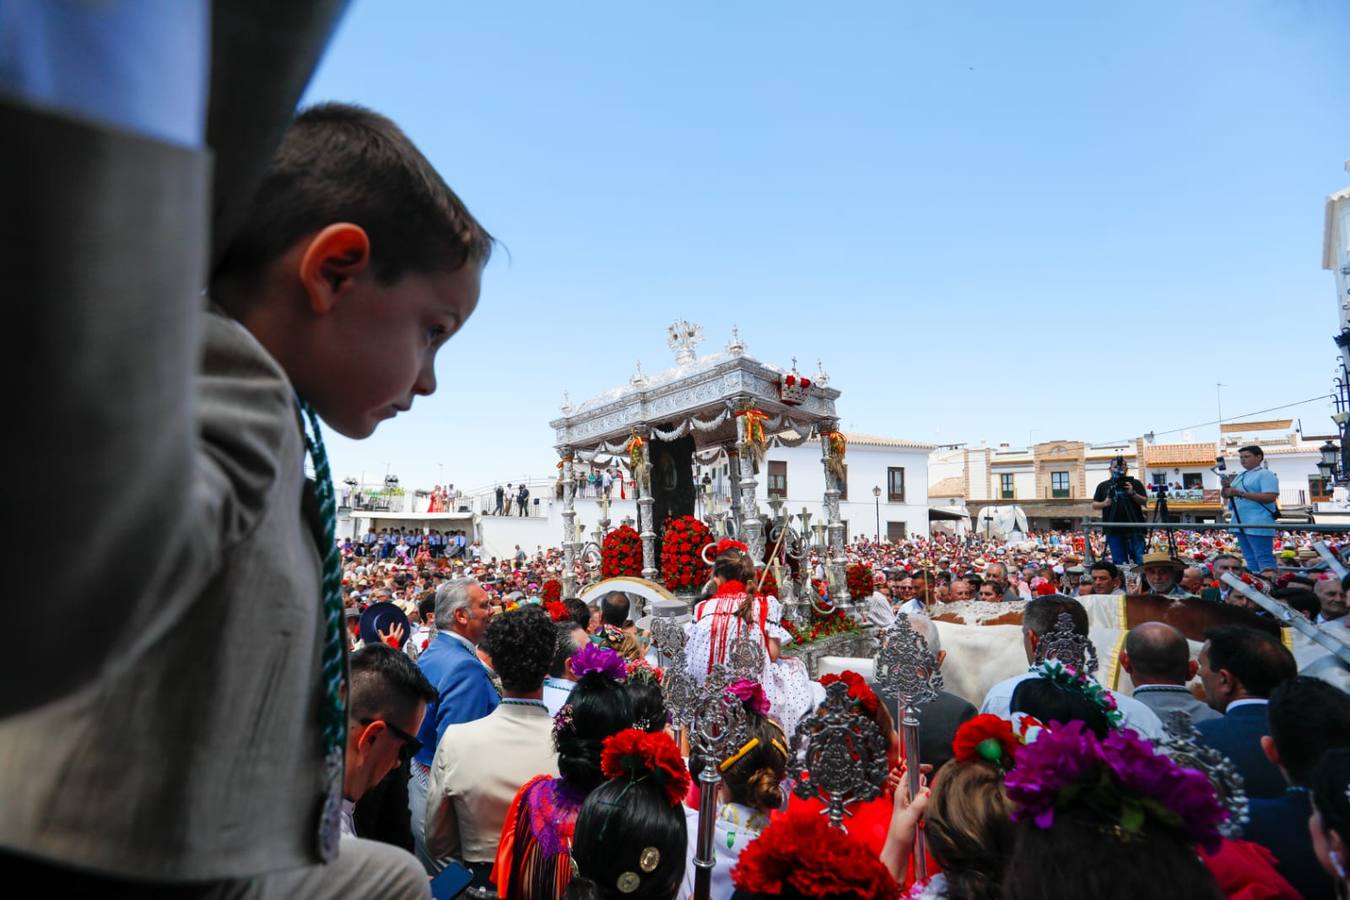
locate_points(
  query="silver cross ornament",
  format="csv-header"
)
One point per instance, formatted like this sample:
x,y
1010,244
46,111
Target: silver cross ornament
x,y
838,756
1068,646
1184,746
903,666
745,657
720,724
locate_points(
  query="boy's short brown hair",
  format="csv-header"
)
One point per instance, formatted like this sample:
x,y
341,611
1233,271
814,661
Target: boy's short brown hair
x,y
343,163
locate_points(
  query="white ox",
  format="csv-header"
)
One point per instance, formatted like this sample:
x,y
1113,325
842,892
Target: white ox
x,y
980,656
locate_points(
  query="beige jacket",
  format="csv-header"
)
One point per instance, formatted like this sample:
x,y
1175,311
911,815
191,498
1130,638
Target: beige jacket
x,y
478,769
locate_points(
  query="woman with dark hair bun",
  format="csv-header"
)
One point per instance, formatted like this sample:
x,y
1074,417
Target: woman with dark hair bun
x,y
533,859
1329,824
649,705
752,788
631,838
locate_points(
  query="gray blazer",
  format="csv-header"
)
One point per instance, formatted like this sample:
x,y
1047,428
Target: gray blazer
x,y
1164,699
159,712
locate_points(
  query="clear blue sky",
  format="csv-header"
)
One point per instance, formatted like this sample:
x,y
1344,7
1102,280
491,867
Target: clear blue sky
x,y
991,220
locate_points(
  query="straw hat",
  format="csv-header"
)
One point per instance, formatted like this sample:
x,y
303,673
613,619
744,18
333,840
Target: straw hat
x,y
1161,558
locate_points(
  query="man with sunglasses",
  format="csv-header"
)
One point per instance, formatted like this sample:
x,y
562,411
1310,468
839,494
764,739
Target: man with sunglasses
x,y
387,698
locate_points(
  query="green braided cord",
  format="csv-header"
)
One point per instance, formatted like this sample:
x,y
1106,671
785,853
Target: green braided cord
x,y
334,713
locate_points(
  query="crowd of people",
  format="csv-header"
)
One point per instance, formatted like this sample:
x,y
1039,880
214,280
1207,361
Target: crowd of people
x,y
247,707
1052,782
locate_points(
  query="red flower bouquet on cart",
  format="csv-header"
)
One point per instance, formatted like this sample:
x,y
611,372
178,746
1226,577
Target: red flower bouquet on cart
x,y
858,578
552,591
622,553
682,565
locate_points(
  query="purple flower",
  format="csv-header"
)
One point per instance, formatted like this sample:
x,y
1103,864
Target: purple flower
x,y
1120,775
751,693
602,660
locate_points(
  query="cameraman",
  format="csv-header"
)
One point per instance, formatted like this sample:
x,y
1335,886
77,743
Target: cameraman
x,y
1122,499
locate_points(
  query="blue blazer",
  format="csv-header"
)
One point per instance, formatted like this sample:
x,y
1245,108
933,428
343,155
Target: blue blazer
x,y
1281,826
464,691
1237,735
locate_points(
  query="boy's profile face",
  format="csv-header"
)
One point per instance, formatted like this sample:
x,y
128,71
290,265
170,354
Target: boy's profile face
x,y
375,344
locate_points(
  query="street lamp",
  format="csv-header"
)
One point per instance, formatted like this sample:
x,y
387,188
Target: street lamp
x,y
1330,456
876,495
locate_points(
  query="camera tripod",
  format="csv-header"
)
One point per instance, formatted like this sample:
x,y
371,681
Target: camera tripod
x,y
1159,516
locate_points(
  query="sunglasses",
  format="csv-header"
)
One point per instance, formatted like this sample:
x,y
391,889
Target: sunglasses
x,y
411,745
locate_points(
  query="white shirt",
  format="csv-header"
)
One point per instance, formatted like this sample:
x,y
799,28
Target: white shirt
x,y
1249,701
1135,715
348,824
879,611
556,692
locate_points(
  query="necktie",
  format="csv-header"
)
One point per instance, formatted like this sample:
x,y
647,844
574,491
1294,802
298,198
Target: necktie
x,y
333,714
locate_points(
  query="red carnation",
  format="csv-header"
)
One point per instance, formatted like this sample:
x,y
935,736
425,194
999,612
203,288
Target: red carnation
x,y
986,737
800,853
790,380
634,754
806,382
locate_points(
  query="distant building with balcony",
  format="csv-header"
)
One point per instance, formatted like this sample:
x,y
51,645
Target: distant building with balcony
x,y
1053,481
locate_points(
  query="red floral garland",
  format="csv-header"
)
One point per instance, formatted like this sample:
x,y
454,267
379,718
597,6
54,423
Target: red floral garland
x,y
821,626
770,586
621,554
682,565
986,737
858,689
858,579
551,591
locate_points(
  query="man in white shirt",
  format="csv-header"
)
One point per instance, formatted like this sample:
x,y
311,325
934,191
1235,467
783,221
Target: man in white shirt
x,y
1038,620
1331,597
879,610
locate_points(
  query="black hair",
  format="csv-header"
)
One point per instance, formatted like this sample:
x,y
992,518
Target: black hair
x,y
343,163
1041,614
1049,702
755,779
1329,785
521,644
1254,450
1106,566
384,682
1160,652
427,605
1256,659
614,609
1079,856
619,821
1303,601
565,649
1308,717
649,704
578,612
599,707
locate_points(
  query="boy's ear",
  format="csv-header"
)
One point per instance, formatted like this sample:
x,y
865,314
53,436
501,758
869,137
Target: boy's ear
x,y
330,263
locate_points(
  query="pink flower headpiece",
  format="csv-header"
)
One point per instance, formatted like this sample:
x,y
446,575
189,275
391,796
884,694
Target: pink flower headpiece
x,y
750,693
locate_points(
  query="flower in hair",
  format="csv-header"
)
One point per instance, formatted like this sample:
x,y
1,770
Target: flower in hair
x,y
1070,679
562,723
636,754
726,544
601,660
1119,778
859,691
750,693
557,610
641,670
799,853
986,737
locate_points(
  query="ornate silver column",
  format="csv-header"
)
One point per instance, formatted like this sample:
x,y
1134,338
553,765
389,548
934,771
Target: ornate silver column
x,y
753,529
834,568
734,476
646,527
569,516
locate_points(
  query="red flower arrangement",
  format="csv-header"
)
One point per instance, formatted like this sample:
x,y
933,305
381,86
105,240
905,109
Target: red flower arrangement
x,y
799,853
636,754
556,609
986,737
621,554
682,565
822,626
551,591
858,689
858,579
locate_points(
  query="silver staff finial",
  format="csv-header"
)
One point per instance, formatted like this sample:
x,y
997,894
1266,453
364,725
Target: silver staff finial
x,y
838,756
1068,646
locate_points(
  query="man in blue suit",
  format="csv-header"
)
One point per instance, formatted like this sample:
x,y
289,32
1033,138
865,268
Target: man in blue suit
x,y
464,690
1308,717
1239,667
